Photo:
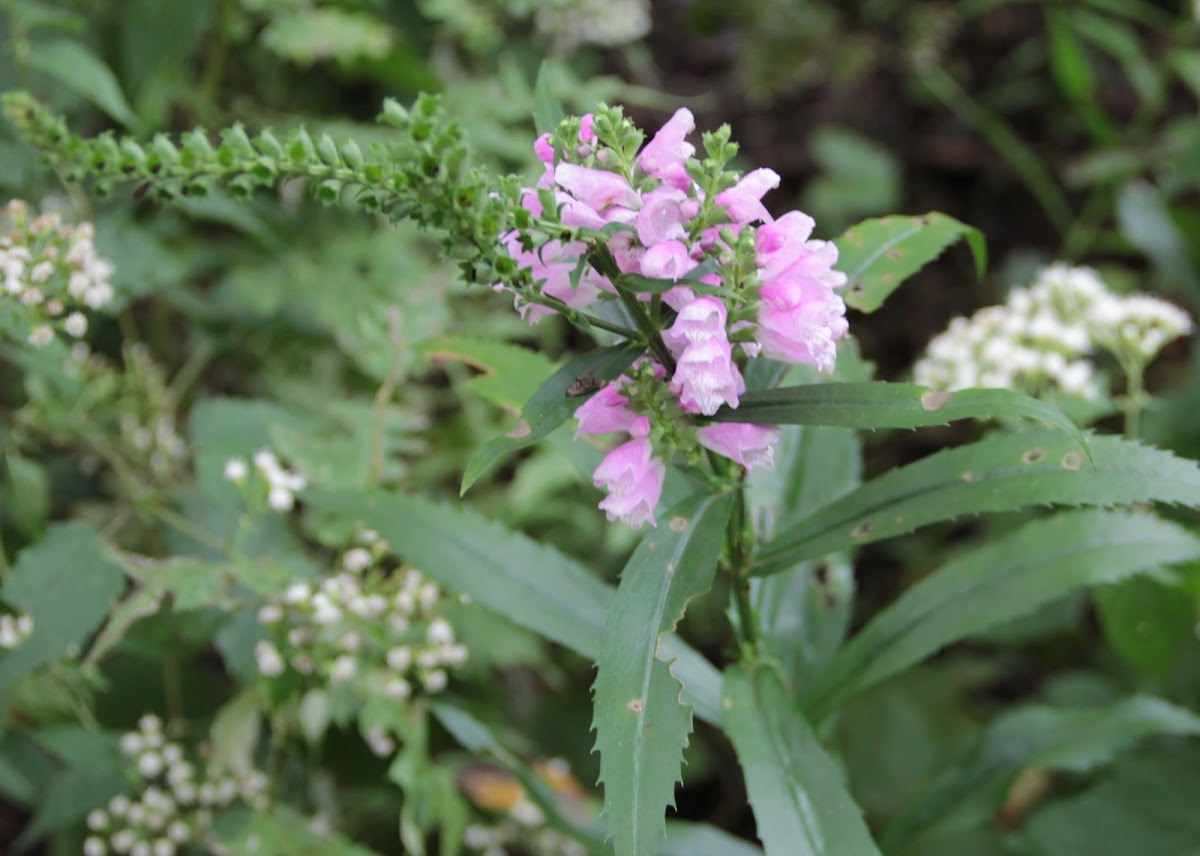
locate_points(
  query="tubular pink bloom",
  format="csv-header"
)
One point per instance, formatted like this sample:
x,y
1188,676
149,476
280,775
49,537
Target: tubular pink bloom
x,y
574,213
782,243
701,319
678,297
661,217
586,134
750,445
743,201
669,149
706,377
605,412
543,149
551,265
667,260
800,321
627,252
633,477
596,188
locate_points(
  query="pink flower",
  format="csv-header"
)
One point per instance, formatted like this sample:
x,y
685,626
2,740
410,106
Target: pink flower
x,y
667,260
782,243
701,319
744,199
750,445
800,320
596,188
669,149
586,134
605,412
543,149
661,218
678,297
633,477
551,266
705,377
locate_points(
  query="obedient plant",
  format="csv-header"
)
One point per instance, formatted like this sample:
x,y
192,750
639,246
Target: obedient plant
x,y
724,389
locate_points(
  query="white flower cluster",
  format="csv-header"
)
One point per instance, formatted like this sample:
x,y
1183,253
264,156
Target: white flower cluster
x,y
51,270
15,629
1042,338
175,807
369,629
282,484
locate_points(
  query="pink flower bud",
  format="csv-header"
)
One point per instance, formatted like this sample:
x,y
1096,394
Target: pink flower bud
x,y
605,412
668,260
633,478
744,199
543,149
669,147
596,188
706,377
750,445
586,134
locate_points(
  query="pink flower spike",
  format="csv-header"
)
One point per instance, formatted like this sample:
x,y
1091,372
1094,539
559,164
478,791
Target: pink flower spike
x,y
543,149
605,412
661,218
667,260
669,148
780,244
706,377
750,445
596,188
586,134
633,479
744,199
800,321
700,320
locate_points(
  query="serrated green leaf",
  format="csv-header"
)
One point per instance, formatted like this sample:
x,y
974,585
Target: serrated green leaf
x,y
800,802
78,69
550,406
1006,578
1075,739
508,573
67,583
878,404
547,112
641,723
1001,473
877,255
510,372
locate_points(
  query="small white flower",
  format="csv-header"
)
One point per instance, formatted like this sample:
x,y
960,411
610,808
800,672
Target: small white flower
x,y
344,668
150,764
270,613
399,658
164,847
270,661
93,846
297,593
428,658
40,336
41,271
97,820
357,559
379,742
178,832
140,848
123,841
439,632
428,596
281,499
236,470
131,743
435,681
76,324
118,806
398,689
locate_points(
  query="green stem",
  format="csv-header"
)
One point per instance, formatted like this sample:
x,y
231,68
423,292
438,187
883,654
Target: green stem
x,y
1135,398
735,538
383,396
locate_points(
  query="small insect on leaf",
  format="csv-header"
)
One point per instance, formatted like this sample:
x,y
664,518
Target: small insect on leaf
x,y
586,384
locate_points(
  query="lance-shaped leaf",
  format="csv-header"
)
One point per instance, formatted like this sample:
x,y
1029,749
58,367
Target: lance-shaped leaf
x,y
1006,578
799,798
1077,739
507,572
878,404
642,724
878,255
551,405
1000,473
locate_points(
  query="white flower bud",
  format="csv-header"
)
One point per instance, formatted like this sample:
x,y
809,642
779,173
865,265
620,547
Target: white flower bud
x,y
235,470
399,658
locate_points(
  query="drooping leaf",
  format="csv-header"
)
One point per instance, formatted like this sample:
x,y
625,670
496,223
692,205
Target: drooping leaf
x,y
877,255
878,404
641,723
547,112
509,372
1000,473
1075,739
66,583
78,69
800,802
532,584
1148,806
550,406
1006,578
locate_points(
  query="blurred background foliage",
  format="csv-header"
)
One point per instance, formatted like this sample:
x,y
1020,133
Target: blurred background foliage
x,y
1063,130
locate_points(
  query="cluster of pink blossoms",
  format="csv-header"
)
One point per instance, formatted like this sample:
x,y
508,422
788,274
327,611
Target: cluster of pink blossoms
x,y
748,285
